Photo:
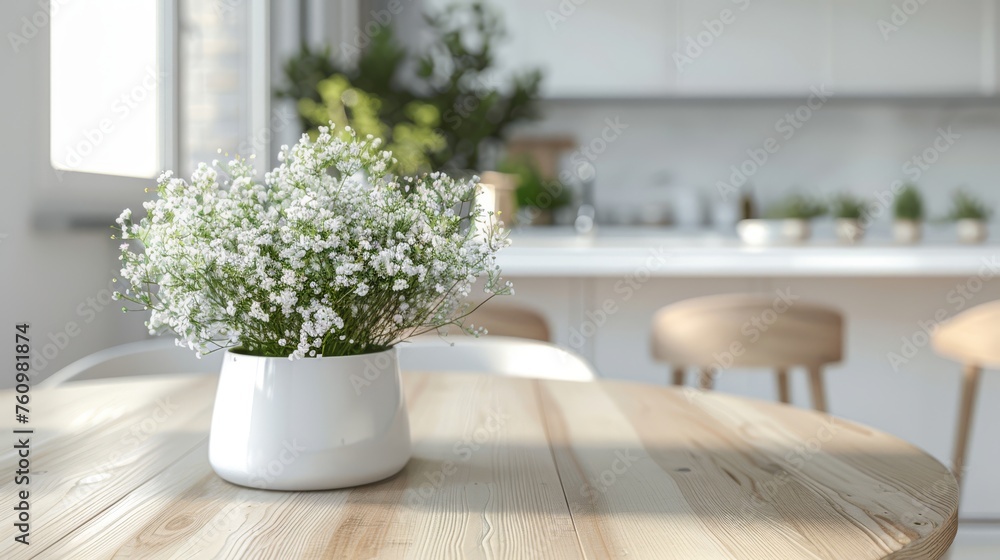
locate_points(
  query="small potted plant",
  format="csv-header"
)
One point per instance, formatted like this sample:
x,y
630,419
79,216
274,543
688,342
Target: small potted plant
x,y
908,210
847,211
308,280
537,197
795,213
970,215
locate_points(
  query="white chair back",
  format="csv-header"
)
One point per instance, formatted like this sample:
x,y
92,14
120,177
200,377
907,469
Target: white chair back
x,y
147,357
501,355
492,354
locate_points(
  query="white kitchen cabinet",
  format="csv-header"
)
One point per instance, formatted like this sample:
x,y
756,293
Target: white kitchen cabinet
x,y
907,47
754,47
599,48
733,48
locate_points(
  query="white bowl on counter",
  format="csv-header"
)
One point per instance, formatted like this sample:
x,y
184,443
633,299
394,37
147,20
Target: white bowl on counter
x,y
766,232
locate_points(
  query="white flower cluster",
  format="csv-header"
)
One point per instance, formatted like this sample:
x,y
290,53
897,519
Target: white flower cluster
x,y
331,255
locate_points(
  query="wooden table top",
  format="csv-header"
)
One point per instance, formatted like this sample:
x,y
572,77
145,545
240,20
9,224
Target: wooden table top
x,y
501,468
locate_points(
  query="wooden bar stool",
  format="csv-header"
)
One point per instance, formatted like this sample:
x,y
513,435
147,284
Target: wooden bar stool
x,y
511,320
503,320
971,338
745,330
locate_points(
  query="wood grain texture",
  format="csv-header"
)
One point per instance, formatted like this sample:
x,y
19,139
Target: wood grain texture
x,y
502,468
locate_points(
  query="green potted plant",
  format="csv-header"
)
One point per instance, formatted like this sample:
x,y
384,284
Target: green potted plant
x,y
308,280
847,210
970,215
795,212
537,197
437,106
908,210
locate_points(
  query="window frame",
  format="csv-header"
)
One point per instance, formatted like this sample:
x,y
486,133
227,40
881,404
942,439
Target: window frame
x,y
72,199
67,200
64,199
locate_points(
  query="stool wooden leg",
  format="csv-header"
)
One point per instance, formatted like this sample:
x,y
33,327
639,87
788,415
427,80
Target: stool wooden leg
x,y
706,379
784,394
970,386
817,389
678,375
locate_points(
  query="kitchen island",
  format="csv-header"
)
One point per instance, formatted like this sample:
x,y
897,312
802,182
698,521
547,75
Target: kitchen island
x,y
608,252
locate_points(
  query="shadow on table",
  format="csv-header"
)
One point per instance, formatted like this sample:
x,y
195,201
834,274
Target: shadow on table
x,y
670,481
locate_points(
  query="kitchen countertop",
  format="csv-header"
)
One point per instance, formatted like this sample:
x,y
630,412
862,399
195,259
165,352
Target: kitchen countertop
x,y
661,252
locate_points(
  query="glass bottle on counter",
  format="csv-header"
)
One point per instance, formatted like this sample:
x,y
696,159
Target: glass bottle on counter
x,y
748,206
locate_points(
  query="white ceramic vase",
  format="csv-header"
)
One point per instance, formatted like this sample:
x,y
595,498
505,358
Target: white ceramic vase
x,y
309,424
849,230
906,231
971,231
795,230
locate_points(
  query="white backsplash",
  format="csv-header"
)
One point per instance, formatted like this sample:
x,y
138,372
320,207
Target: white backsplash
x,y
857,145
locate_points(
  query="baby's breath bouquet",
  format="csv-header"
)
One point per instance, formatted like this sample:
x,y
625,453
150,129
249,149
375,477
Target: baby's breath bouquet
x,y
330,256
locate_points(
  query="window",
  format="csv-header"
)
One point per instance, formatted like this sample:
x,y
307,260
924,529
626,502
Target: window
x,y
107,84
136,87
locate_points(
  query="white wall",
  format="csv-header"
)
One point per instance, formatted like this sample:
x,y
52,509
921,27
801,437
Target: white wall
x,y
46,276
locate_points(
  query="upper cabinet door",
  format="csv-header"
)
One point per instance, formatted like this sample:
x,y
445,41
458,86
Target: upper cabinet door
x,y
913,47
732,48
752,47
596,48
